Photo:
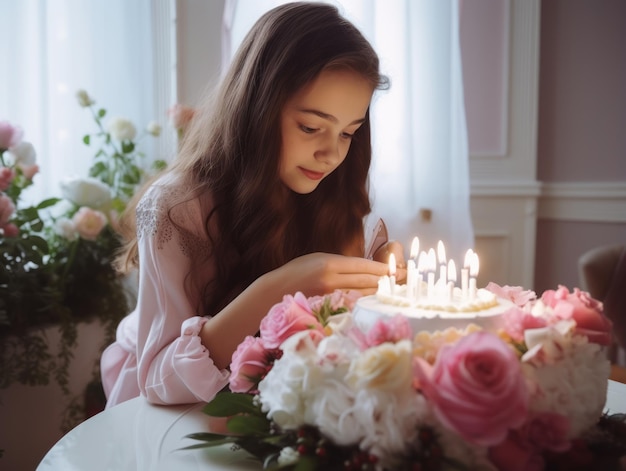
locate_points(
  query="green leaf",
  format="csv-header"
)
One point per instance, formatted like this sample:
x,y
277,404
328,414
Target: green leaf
x,y
306,463
102,112
87,139
248,425
37,226
226,404
128,147
132,176
98,169
48,202
40,243
159,165
210,440
29,214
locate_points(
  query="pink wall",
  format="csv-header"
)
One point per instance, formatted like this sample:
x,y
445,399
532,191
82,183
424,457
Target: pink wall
x,y
582,123
582,91
484,41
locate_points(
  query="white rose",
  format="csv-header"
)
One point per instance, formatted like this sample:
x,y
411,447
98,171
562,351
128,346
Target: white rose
x,y
84,99
389,422
569,376
86,191
66,228
122,129
331,408
22,154
337,349
154,128
386,367
280,392
288,456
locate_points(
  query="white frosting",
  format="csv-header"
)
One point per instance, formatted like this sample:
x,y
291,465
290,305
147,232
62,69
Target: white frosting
x,y
435,313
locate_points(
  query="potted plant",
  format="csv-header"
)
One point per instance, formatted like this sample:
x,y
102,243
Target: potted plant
x,y
56,256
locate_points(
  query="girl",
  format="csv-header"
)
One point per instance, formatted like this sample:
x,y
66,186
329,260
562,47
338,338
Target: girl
x,y
267,197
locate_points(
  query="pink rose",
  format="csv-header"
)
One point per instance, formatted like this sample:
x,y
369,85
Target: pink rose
x,y
29,171
587,312
476,388
9,135
10,230
391,329
180,115
522,449
6,177
548,431
338,299
515,322
516,454
6,209
515,294
286,318
250,362
89,222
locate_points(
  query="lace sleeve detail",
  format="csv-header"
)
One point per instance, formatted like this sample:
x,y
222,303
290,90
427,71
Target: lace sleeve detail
x,y
153,221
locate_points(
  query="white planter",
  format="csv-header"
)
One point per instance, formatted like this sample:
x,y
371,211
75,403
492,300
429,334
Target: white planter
x,y
31,416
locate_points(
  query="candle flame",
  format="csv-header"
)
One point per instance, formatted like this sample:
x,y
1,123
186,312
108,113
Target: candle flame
x,y
451,271
468,258
392,265
415,247
441,252
474,265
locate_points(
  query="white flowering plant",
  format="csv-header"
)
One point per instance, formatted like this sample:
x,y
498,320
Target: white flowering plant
x,y
315,391
56,256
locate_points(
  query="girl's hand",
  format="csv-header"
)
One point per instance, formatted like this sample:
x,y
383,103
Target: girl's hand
x,y
322,273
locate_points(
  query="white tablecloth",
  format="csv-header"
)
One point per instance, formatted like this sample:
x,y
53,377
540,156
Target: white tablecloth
x,y
136,435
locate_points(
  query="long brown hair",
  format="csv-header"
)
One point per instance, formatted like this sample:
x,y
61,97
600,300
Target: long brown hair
x,y
232,151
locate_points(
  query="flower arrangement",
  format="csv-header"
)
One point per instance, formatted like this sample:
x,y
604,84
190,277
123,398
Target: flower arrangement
x,y
56,256
312,391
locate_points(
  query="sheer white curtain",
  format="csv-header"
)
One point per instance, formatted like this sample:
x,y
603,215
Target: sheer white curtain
x,y
52,48
419,129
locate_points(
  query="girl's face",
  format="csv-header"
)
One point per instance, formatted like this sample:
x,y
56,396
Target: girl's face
x,y
317,125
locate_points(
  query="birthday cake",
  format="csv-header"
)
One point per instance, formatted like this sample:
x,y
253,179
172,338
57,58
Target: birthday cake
x,y
432,304
484,309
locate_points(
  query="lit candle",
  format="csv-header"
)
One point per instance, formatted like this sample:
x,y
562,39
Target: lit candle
x,y
415,248
441,255
465,272
411,274
451,278
473,274
410,279
422,266
432,267
383,285
392,273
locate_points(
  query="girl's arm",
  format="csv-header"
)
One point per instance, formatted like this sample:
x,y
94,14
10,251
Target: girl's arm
x,y
173,365
312,274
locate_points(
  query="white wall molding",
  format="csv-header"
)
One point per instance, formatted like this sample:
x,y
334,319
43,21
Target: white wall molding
x,y
583,201
500,136
521,103
523,189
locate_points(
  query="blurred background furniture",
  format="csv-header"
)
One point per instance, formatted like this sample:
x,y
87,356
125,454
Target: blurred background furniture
x,y
602,272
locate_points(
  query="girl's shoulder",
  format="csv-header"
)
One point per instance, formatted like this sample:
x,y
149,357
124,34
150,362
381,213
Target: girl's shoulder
x,y
167,208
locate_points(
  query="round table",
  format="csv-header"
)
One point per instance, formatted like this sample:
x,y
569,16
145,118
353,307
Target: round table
x,y
136,435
